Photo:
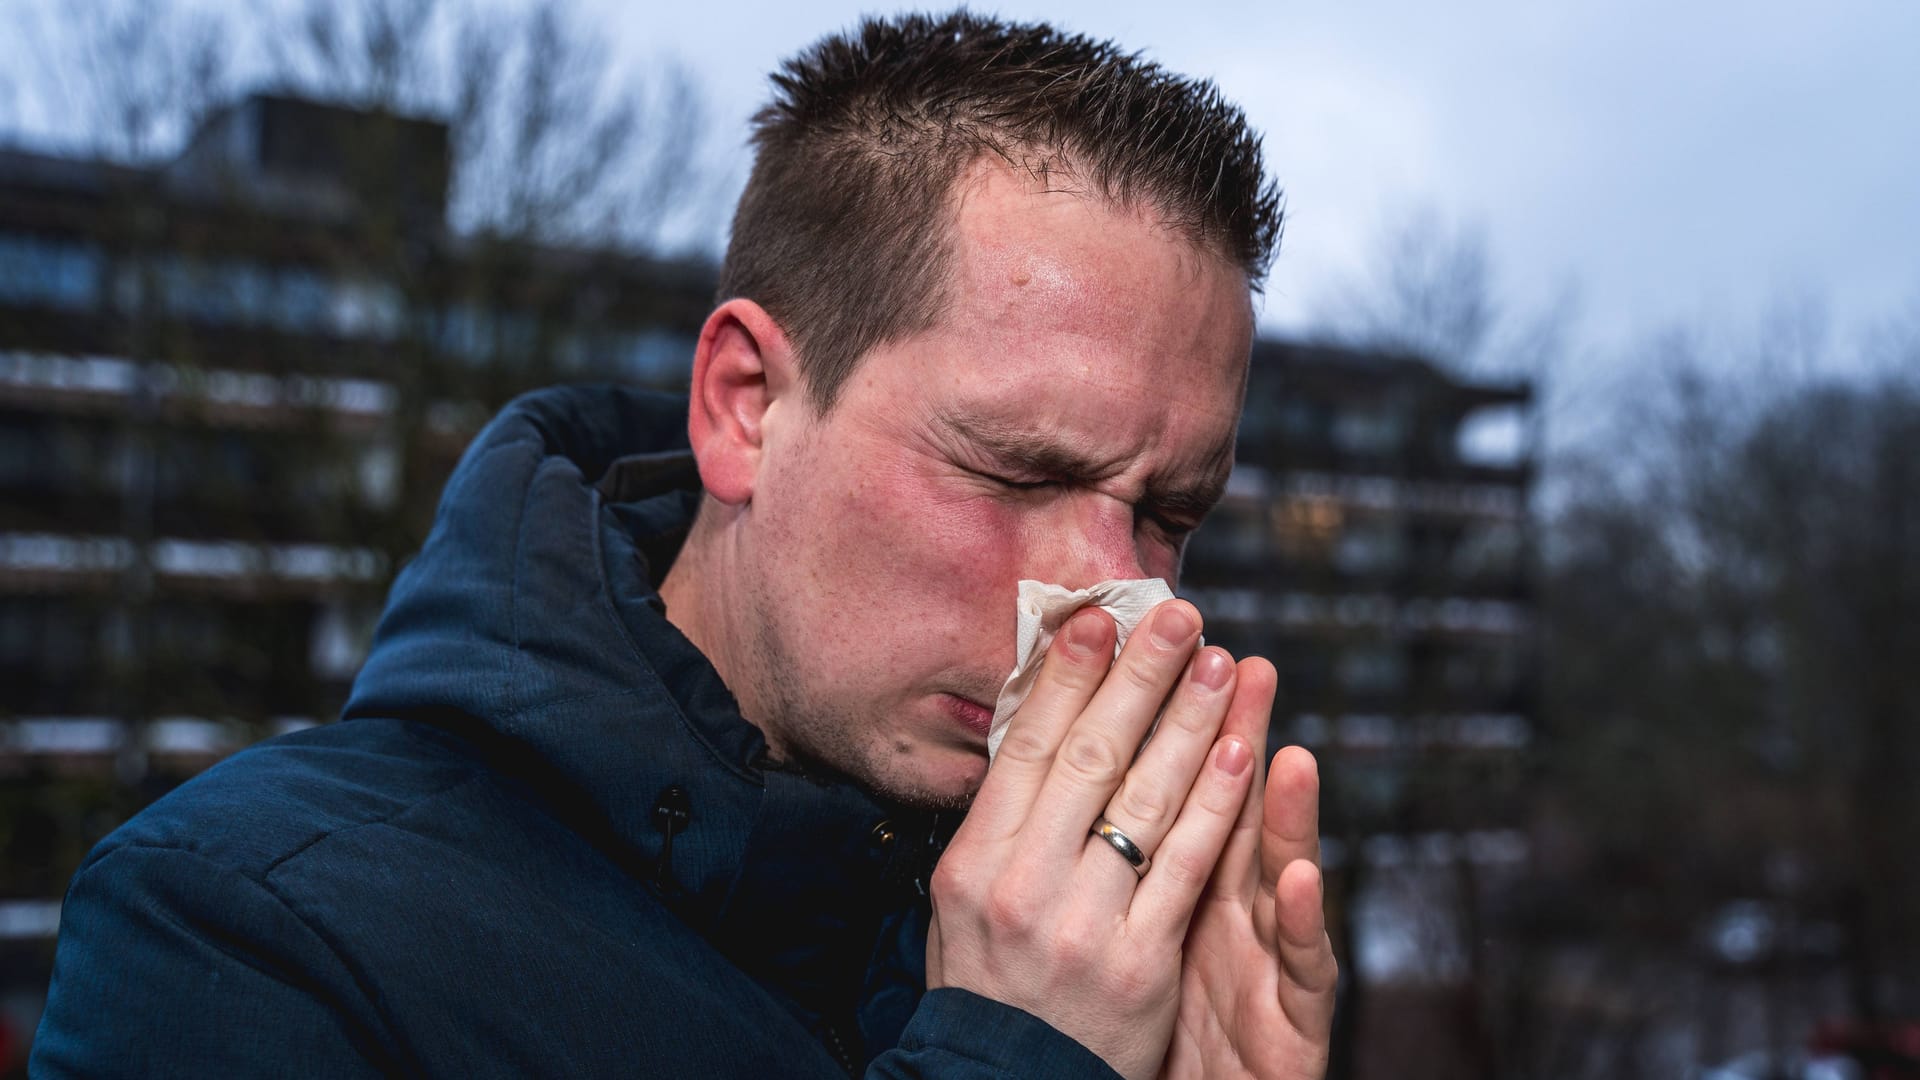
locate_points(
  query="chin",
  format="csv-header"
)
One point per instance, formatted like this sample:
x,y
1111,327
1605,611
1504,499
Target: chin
x,y
931,778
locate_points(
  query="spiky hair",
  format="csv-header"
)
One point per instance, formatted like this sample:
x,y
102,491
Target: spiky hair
x,y
842,233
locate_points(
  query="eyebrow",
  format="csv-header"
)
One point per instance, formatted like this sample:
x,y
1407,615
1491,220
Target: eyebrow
x,y
1026,448
1055,460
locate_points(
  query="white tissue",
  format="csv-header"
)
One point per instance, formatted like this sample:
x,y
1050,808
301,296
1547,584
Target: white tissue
x,y
1041,610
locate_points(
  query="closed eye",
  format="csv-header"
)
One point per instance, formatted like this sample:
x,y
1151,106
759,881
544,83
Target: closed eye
x,y
1009,482
1175,530
1020,485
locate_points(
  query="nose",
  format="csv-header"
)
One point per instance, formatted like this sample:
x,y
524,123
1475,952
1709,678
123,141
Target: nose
x,y
1091,538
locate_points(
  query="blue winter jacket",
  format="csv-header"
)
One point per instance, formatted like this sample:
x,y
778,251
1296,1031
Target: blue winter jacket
x,y
541,841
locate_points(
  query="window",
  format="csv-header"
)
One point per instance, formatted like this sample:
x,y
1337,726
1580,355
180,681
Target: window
x,y
216,291
1368,431
653,356
47,270
480,335
51,637
1490,550
1305,527
367,309
1376,669
303,301
1231,537
295,299
1373,547
1493,437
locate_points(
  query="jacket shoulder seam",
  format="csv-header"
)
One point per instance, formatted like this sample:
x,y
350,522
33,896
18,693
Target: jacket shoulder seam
x,y
266,890
381,819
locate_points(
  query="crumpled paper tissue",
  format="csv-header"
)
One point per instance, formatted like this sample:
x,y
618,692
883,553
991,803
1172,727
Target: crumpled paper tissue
x,y
1041,609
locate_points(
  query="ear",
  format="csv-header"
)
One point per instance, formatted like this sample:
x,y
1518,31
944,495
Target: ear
x,y
742,370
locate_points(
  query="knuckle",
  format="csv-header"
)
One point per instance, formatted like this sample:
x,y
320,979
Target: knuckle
x,y
1148,678
1189,716
953,882
1025,744
1092,758
1073,948
1079,676
1007,908
1219,796
1320,974
1143,804
1137,982
1186,866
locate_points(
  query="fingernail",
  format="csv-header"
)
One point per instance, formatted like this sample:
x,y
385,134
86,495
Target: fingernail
x,y
1172,626
1210,669
1233,757
1084,635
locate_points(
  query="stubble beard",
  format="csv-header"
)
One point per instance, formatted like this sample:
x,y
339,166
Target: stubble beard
x,y
813,735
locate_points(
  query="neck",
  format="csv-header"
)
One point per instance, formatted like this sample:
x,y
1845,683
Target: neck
x,y
701,588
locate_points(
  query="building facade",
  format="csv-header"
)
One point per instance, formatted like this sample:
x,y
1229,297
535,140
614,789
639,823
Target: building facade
x,y
231,386
1375,543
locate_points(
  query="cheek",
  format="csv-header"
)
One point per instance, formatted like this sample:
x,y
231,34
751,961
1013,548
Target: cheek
x,y
937,573
934,541
1160,561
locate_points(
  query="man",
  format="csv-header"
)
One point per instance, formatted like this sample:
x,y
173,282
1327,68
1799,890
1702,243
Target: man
x,y
659,741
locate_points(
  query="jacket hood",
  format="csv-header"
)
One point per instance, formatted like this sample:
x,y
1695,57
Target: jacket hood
x,y
530,623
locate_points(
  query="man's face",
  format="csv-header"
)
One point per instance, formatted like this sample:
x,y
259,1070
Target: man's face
x,y
1069,420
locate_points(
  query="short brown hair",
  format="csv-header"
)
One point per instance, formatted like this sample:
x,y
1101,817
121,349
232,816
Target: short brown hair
x,y
842,232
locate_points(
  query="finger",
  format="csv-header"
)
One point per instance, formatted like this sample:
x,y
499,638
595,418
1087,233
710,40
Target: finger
x,y
1156,787
1249,717
1099,747
1289,826
1163,904
1290,822
1308,971
1070,673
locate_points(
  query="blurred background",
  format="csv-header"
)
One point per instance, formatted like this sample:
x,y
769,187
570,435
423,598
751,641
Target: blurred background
x,y
1578,495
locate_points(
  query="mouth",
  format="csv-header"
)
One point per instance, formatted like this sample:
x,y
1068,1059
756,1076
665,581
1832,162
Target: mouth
x,y
971,714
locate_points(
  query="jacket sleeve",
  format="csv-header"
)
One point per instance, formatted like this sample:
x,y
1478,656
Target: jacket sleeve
x,y
957,1033
170,964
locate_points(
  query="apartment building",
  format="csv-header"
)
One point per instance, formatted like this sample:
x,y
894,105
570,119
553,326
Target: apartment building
x,y
231,386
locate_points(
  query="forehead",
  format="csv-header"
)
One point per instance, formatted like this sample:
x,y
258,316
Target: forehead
x,y
1044,250
1064,309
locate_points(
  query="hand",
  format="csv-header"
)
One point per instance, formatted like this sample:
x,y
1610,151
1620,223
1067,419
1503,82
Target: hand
x,y
1031,910
1258,973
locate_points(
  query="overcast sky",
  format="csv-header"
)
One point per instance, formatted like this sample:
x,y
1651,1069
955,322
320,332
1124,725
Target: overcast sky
x,y
1668,164
1673,163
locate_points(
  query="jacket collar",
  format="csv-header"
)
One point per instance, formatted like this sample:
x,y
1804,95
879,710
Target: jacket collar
x,y
531,621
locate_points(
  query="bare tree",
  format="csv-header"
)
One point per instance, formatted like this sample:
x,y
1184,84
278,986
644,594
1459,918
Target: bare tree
x,y
553,138
1430,289
1732,684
